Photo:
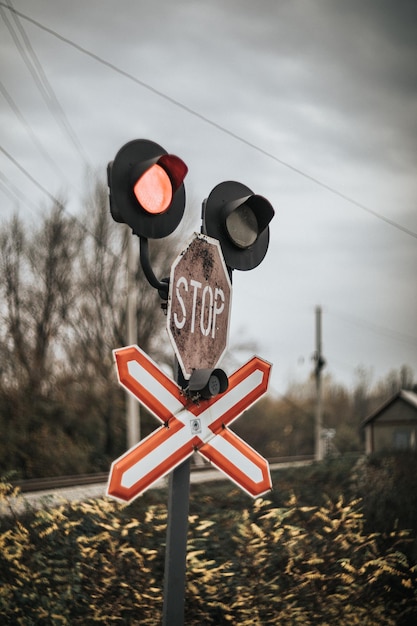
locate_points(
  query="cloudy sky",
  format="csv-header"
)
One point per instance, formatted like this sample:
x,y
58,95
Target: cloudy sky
x,y
312,104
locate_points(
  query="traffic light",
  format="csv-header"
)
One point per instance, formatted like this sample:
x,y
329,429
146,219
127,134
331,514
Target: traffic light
x,y
207,383
146,188
239,219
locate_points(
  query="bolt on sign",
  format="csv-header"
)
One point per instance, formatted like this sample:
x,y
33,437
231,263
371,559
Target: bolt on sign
x,y
199,303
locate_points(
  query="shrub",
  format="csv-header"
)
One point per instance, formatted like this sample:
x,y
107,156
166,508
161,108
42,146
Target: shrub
x,y
100,562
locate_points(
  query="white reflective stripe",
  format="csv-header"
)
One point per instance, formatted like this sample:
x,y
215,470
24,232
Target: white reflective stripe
x,y
236,458
232,397
154,387
150,462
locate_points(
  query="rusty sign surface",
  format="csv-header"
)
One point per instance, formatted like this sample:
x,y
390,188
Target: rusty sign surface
x,y
199,302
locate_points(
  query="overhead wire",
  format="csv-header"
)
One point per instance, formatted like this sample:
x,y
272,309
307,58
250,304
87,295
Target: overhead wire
x,y
34,66
57,202
376,328
52,163
214,124
30,177
41,80
13,192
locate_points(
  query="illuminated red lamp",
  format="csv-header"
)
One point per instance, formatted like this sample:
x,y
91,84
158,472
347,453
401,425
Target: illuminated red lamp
x,y
155,188
146,188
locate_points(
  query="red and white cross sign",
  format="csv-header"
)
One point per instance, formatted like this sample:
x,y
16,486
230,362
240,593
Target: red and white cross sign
x,y
188,427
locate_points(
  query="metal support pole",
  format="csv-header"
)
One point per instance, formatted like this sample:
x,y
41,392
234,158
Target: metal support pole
x,y
132,405
178,497
318,452
176,546
176,541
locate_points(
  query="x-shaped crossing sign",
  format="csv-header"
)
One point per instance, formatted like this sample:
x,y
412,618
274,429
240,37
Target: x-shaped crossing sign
x,y
188,426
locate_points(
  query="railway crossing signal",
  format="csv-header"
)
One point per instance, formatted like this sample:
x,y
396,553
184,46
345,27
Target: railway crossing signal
x,y
188,427
146,192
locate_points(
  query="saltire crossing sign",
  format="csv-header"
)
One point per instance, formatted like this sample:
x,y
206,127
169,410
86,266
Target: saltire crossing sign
x,y
188,427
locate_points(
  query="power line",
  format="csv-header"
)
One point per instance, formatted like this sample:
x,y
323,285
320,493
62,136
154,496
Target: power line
x,y
13,192
35,68
376,328
30,177
30,131
214,124
58,203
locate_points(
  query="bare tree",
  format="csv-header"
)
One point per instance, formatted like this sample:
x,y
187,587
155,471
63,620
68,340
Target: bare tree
x,y
38,290
63,296
99,320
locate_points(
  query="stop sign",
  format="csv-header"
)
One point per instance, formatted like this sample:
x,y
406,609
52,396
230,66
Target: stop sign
x,y
199,305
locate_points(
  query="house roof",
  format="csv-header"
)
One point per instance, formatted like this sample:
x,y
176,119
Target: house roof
x,y
408,396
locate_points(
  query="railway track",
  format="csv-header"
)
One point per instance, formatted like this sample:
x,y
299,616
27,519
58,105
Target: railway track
x,y
32,485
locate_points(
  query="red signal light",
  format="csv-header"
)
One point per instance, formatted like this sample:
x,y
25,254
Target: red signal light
x,y
146,188
153,190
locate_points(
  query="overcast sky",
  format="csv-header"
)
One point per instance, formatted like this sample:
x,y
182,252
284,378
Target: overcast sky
x,y
312,104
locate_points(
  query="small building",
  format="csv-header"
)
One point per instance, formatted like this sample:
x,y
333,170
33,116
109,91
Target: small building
x,y
394,425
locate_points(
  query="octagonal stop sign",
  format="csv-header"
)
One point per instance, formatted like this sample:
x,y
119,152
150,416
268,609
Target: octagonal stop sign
x,y
199,305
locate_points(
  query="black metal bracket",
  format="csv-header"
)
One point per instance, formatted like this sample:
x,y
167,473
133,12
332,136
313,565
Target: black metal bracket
x,y
161,285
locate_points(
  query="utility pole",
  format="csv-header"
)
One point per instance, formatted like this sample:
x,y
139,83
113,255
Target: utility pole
x,y
320,363
132,405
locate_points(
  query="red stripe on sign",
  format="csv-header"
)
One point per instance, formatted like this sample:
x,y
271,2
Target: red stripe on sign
x,y
133,473
243,464
240,378
123,357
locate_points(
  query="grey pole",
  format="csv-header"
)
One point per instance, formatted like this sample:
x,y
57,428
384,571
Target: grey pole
x,y
132,405
318,452
176,539
176,546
